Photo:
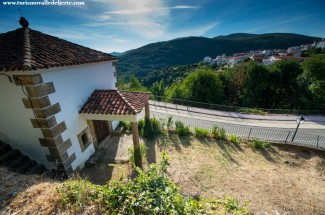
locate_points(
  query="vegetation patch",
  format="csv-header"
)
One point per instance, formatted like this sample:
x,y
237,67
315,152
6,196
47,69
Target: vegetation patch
x,y
181,129
218,133
252,111
233,138
201,132
258,144
151,192
126,127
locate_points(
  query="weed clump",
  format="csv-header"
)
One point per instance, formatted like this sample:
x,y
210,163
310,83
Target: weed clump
x,y
201,132
233,138
259,144
181,129
218,133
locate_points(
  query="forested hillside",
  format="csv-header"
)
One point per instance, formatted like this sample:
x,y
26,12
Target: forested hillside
x,y
144,60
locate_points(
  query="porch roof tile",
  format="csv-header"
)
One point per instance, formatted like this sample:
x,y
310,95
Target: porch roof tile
x,y
115,102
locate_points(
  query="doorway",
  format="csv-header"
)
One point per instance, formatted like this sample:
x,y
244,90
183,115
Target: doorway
x,y
101,130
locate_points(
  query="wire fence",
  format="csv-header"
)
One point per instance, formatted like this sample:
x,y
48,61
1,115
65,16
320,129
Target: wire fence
x,y
237,108
301,139
250,132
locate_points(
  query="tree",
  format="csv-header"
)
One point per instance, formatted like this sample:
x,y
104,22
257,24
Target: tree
x,y
314,78
158,89
284,88
135,85
201,85
255,87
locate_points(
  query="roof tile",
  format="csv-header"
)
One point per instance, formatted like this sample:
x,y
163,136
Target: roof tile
x,y
36,50
115,102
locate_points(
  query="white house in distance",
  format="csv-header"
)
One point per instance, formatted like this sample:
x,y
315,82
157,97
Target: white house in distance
x,y
59,100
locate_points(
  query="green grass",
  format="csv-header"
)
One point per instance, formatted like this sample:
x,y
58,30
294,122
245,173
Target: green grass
x,y
252,111
259,144
181,129
233,138
201,132
151,192
218,133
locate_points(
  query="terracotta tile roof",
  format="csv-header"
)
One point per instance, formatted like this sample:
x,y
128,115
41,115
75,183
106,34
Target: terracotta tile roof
x,y
27,49
115,102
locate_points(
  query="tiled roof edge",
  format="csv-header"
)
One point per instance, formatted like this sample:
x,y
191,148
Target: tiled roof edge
x,y
127,102
26,63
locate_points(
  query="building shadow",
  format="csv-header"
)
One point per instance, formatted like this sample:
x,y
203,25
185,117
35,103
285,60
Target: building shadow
x,y
100,166
224,146
151,152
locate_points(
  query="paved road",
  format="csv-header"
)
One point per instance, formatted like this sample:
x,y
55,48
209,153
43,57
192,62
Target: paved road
x,y
278,128
313,124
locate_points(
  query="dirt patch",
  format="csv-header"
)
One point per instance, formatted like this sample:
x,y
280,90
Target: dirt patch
x,y
288,181
27,194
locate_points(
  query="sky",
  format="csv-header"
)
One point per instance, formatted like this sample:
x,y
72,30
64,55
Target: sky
x,y
121,25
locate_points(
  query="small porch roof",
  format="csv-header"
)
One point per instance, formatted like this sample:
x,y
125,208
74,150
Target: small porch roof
x,y
114,105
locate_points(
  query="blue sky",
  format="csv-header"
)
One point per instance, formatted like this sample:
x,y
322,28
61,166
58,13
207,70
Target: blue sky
x,y
120,25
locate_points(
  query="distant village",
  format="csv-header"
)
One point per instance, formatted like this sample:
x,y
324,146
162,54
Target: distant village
x,y
265,57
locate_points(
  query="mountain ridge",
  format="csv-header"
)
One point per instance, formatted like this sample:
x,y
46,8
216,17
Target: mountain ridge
x,y
189,50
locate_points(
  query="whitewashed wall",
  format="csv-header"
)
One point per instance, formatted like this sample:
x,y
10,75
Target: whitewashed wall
x,y
73,86
15,125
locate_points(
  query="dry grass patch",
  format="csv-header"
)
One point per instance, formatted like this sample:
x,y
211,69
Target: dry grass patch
x,y
280,178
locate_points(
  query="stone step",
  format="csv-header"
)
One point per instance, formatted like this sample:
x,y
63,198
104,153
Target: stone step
x,y
25,167
15,161
4,148
9,156
38,169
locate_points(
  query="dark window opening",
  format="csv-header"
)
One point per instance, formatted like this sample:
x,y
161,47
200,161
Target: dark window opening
x,y
84,139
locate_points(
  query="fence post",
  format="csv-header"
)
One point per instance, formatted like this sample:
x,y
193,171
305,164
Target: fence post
x,y
317,141
287,137
249,134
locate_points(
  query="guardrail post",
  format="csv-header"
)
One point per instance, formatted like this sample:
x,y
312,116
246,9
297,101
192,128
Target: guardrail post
x,y
287,137
249,134
317,141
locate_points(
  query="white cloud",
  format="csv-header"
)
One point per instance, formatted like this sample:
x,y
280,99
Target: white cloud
x,y
185,7
146,18
199,31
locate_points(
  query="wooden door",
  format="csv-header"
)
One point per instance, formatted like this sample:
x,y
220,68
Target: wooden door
x,y
101,130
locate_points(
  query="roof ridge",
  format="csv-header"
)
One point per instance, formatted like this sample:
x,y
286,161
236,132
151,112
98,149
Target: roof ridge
x,y
26,63
127,102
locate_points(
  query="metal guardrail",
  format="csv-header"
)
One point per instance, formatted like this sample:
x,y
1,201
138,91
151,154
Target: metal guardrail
x,y
236,108
273,135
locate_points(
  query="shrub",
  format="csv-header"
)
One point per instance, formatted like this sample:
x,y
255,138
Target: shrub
x,y
140,124
233,138
151,192
218,133
143,152
170,123
181,129
126,127
252,111
200,132
258,144
151,128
